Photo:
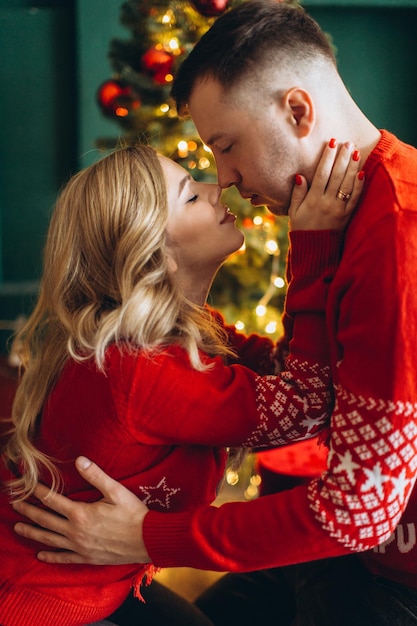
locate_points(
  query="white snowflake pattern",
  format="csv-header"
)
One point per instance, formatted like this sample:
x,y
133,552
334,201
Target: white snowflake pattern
x,y
400,485
347,465
311,423
375,480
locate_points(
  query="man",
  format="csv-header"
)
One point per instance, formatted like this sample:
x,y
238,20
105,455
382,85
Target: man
x,y
263,90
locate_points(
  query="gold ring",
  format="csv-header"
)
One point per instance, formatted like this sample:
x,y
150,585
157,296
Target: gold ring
x,y
344,197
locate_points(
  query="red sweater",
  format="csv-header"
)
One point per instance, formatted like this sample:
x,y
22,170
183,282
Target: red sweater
x,y
365,501
161,427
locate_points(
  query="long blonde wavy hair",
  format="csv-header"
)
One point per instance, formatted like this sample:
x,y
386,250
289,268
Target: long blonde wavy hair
x,y
106,279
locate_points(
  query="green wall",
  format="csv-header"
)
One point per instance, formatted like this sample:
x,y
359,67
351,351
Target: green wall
x,y
376,50
37,151
97,24
54,57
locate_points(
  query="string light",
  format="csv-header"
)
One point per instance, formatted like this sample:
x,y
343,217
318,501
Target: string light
x,y
203,163
271,328
271,246
174,46
252,490
232,477
168,19
182,148
279,282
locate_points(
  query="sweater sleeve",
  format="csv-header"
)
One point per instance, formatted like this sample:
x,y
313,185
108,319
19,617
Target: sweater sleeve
x,y
372,465
231,405
253,351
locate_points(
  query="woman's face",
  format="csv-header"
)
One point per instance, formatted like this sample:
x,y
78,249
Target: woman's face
x,y
202,232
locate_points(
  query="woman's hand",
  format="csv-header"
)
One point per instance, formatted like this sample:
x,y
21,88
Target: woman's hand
x,y
334,191
106,532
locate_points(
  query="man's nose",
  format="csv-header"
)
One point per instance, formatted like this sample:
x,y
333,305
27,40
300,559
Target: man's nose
x,y
227,176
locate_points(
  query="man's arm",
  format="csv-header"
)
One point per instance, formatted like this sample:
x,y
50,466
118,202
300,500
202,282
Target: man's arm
x,y
118,520
105,532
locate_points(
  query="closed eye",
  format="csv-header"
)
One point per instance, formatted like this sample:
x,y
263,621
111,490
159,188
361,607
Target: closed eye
x,y
192,199
226,150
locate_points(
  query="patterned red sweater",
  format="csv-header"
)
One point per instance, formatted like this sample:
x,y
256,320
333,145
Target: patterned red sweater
x,y
161,428
365,501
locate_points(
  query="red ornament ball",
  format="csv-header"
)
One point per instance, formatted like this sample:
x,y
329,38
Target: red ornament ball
x,y
157,62
210,8
116,98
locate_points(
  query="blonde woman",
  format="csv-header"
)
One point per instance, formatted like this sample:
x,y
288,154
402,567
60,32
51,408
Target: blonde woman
x,y
124,363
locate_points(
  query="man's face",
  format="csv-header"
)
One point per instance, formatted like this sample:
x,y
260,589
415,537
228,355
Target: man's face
x,y
253,146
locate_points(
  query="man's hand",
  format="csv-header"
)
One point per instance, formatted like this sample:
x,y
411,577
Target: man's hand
x,y
107,532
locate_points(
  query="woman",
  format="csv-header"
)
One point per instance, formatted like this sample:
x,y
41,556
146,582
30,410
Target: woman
x,y
124,363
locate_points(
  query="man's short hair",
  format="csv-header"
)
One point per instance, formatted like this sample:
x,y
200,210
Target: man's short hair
x,y
252,34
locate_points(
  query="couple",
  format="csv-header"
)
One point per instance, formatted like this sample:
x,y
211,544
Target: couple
x,y
263,90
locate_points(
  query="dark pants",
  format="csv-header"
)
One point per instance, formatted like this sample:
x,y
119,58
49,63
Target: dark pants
x,y
163,607
333,592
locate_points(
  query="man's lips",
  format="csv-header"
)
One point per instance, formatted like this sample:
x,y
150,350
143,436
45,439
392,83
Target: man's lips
x,y
253,199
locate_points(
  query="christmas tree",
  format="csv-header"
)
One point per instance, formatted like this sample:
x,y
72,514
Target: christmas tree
x,y
250,288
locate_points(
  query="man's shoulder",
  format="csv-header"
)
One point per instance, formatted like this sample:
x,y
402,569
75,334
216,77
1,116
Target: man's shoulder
x,y
394,175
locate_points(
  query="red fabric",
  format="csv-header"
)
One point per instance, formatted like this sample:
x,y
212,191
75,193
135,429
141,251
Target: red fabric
x,y
161,428
365,501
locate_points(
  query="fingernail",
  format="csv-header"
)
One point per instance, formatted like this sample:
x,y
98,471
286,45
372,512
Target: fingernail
x,y
83,462
332,143
298,179
356,155
361,175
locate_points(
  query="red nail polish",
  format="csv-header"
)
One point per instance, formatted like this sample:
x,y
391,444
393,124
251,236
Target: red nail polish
x,y
361,175
356,155
298,179
332,143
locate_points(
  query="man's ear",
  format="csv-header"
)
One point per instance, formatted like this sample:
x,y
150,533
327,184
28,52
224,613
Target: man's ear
x,y
301,111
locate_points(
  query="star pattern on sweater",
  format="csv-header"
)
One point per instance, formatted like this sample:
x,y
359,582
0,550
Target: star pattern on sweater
x,y
400,487
311,423
281,410
159,494
347,464
375,480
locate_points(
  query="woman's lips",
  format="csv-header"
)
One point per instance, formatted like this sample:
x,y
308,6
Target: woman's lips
x,y
228,216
